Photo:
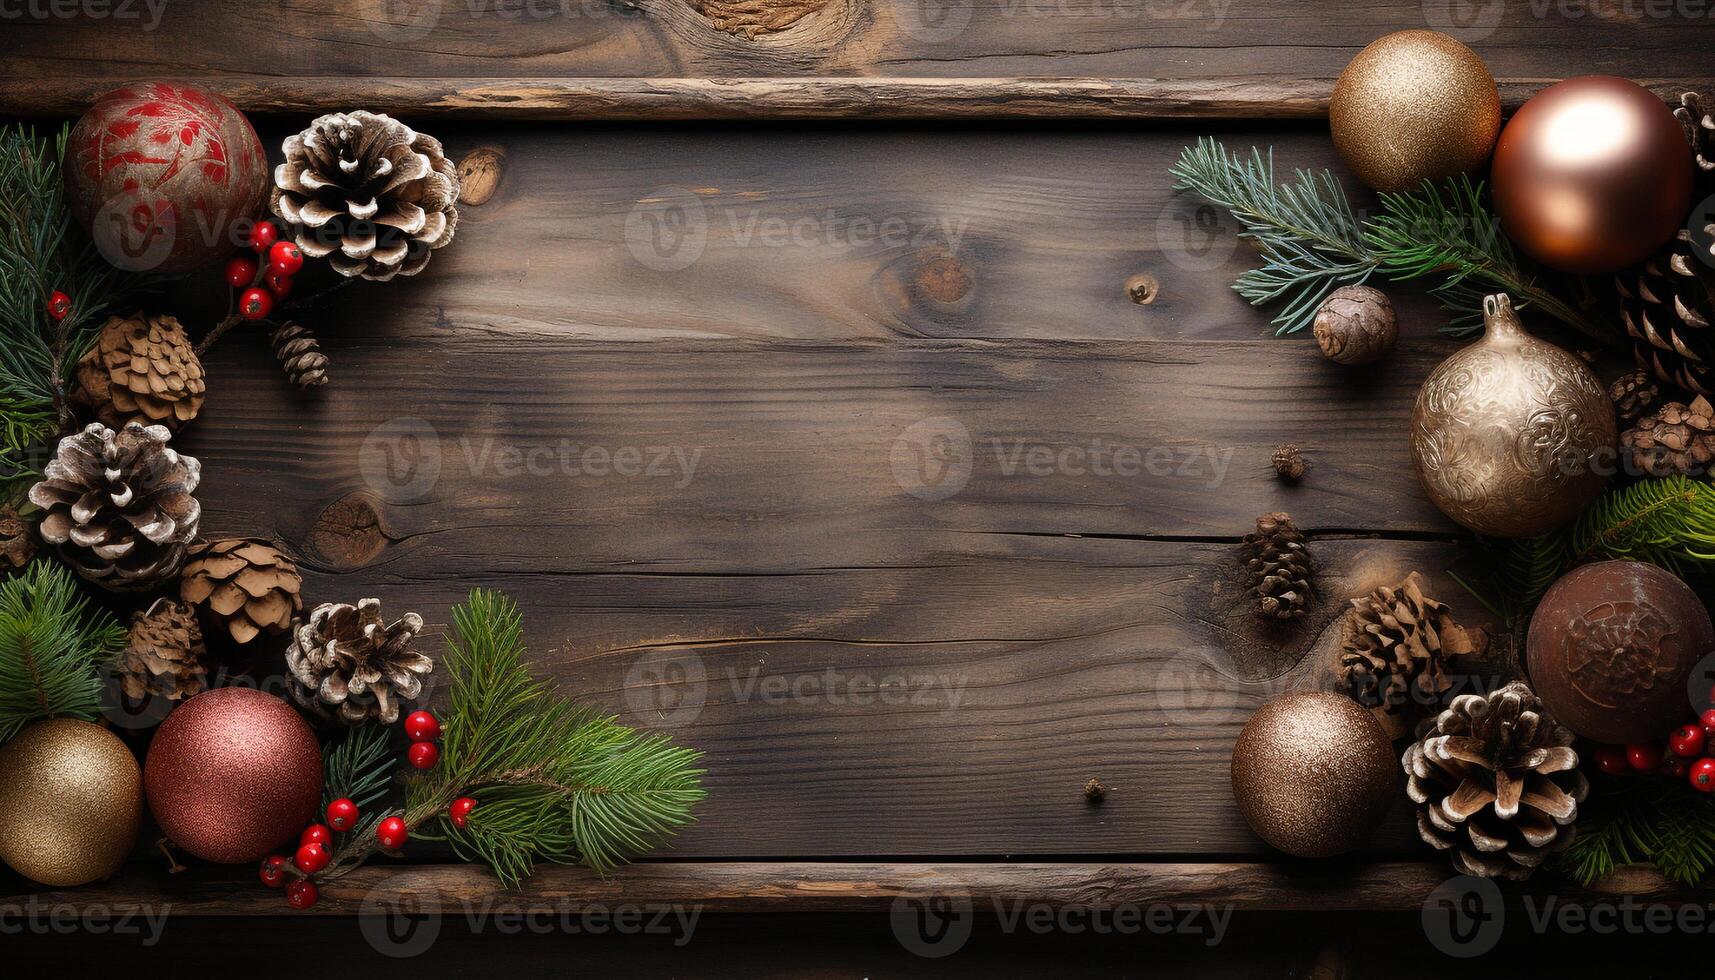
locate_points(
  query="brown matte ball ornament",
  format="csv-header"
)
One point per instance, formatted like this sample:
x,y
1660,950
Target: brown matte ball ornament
x,y
231,773
1356,325
70,802
1611,650
1414,106
1592,175
1506,433
1313,774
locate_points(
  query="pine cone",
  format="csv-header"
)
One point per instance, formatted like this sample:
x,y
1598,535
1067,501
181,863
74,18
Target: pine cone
x,y
1699,132
300,355
1668,304
1496,782
246,584
1633,394
368,193
1393,659
163,657
348,664
1288,462
143,369
1676,438
17,544
1279,566
119,505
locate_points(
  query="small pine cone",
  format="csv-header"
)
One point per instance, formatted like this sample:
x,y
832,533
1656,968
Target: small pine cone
x,y
350,665
1676,438
1394,655
1279,566
1289,463
244,584
300,355
142,369
163,657
1633,394
1699,132
17,543
1496,783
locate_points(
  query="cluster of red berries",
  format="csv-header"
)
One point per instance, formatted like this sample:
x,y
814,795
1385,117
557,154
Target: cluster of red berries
x,y
1688,753
266,276
423,729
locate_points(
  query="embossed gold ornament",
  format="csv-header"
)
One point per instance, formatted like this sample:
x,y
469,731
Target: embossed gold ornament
x,y
1508,434
71,798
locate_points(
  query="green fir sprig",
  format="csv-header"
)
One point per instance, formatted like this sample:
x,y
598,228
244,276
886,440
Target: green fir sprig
x,y
52,642
1643,821
1311,240
358,766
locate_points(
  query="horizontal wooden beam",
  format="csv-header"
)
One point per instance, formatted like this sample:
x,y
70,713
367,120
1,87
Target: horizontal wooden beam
x,y
820,887
617,99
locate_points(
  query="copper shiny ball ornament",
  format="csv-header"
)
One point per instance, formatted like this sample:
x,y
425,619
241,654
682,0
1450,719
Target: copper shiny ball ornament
x,y
1611,649
1414,106
1592,175
71,799
231,773
1313,774
1509,434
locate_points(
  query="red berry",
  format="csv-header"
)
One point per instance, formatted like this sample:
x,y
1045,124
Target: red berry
x,y
1688,741
1644,756
255,304
240,271
1703,775
1708,722
392,833
315,834
273,870
263,236
311,858
1675,767
459,812
1611,760
278,283
342,814
302,894
59,306
285,257
421,726
424,755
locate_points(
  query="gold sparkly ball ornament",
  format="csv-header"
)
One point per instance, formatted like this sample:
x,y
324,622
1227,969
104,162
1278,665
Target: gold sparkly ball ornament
x,y
71,799
231,773
1509,434
1414,106
1313,774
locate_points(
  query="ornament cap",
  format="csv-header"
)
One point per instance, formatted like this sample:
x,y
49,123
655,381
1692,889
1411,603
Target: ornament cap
x,y
1500,321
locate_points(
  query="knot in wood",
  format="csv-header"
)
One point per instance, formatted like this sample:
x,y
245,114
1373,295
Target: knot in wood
x,y
1142,289
750,18
942,277
347,534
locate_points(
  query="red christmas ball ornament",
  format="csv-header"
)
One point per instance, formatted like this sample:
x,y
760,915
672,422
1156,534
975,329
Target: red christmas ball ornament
x,y
1592,175
59,306
1703,775
311,858
240,271
342,814
231,773
278,283
459,812
1611,761
1643,756
392,833
163,175
421,726
272,870
316,834
285,257
262,236
1688,741
302,894
255,304
424,755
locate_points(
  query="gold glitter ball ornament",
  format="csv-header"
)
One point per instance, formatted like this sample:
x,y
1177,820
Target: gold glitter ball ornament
x,y
71,799
1508,433
1313,774
1414,106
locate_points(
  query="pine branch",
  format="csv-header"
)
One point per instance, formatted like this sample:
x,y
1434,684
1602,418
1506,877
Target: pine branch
x,y
1641,821
358,767
51,643
1668,522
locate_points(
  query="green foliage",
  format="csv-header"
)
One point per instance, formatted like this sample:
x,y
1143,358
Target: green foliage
x,y
51,643
553,781
1643,821
358,766
1312,242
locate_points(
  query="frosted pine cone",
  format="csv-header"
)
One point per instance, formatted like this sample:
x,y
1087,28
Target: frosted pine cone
x,y
348,664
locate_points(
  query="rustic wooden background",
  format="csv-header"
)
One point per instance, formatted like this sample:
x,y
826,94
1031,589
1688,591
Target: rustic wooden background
x,y
812,310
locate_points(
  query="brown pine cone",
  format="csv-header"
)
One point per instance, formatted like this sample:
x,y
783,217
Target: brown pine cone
x,y
142,369
1675,438
1394,656
244,584
300,355
1496,783
1633,395
1280,567
163,657
1288,462
349,664
1699,132
17,542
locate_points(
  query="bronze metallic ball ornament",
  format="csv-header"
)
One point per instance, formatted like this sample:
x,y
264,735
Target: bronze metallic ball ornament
x,y
1414,106
71,798
233,772
1509,433
1314,774
1611,649
1592,175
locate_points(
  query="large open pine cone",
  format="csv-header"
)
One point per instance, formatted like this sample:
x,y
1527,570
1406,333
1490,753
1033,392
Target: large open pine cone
x,y
347,663
1496,782
245,584
1279,566
119,505
1394,656
368,193
143,369
163,654
1675,438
